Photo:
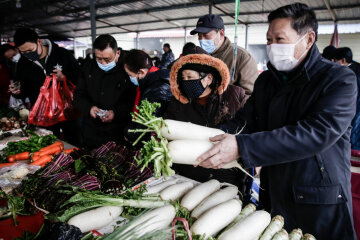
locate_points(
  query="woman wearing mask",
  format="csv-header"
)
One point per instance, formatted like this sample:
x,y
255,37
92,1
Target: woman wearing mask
x,y
152,83
202,95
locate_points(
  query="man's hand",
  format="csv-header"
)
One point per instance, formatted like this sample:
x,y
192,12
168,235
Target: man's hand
x,y
225,151
93,111
59,75
13,89
108,117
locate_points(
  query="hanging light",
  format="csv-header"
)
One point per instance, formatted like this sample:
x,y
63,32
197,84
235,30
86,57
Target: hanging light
x,y
18,4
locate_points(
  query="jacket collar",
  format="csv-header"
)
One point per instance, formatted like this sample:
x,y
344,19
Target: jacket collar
x,y
223,48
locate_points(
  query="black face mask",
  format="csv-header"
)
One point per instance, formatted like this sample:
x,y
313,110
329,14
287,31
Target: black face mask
x,y
33,56
193,88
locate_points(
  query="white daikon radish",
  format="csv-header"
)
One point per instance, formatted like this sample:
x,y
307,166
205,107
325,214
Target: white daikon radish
x,y
214,199
161,186
95,218
199,193
215,219
295,234
176,191
187,151
281,235
178,130
308,236
275,225
247,210
157,219
249,227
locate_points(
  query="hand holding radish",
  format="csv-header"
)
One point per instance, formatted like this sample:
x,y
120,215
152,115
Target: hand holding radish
x,y
221,153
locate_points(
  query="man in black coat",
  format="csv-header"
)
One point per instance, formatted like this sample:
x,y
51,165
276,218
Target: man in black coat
x,y
104,95
297,128
41,58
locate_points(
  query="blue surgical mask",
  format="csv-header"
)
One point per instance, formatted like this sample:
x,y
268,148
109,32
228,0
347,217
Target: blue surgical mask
x,y
134,80
107,67
207,45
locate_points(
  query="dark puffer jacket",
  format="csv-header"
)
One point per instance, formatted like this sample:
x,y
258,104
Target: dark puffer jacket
x,y
32,74
221,106
155,88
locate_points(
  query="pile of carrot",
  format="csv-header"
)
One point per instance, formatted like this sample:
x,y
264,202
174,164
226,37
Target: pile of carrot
x,y
41,157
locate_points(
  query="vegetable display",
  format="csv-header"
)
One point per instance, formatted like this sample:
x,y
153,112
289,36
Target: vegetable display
x,y
189,141
31,145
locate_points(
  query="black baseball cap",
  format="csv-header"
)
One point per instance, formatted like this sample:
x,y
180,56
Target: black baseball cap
x,y
207,23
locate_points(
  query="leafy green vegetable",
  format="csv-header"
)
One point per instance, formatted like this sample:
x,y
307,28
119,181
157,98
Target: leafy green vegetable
x,y
86,200
146,116
16,205
79,165
33,144
156,152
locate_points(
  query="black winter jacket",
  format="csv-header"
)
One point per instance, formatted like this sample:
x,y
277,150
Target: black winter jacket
x,y
299,134
110,90
32,75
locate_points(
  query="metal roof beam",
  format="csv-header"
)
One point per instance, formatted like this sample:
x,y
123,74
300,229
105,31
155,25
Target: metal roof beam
x,y
227,24
327,4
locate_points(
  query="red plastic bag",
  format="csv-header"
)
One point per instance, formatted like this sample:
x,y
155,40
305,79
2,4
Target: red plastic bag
x,y
54,98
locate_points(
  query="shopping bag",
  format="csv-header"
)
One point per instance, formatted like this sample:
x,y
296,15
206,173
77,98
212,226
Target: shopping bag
x,y
53,98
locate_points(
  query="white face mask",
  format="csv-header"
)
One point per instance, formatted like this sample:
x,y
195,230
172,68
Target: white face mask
x,y
282,55
16,58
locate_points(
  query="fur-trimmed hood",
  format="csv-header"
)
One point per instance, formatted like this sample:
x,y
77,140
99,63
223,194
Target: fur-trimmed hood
x,y
201,59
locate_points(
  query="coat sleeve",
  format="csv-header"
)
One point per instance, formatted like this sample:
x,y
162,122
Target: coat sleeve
x,y
324,125
246,71
81,97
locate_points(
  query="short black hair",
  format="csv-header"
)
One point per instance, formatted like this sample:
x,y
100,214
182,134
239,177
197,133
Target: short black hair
x,y
5,47
329,52
23,35
167,45
302,17
104,41
137,59
344,52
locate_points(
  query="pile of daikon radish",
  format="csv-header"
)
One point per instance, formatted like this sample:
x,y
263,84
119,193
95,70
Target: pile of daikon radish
x,y
219,213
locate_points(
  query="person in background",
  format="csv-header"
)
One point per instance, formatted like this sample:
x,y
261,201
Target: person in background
x,y
167,57
329,52
344,57
202,95
104,95
12,56
41,58
211,34
4,83
298,130
151,82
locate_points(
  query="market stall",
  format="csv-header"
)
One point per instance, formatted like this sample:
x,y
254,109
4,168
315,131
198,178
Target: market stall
x,y
122,192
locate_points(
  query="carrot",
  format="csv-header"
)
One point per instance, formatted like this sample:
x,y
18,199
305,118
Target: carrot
x,y
70,150
6,164
36,154
10,158
42,160
19,156
51,151
34,158
58,143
